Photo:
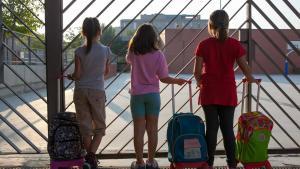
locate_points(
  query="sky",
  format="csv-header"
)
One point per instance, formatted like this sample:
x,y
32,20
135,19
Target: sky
x,y
176,6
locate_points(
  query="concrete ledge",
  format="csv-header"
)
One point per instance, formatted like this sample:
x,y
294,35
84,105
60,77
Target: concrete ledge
x,y
42,161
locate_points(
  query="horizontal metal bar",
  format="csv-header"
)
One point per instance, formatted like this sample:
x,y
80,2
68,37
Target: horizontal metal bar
x,y
276,47
15,147
28,104
23,23
276,28
164,154
276,66
25,82
20,40
19,133
25,64
31,12
78,15
68,6
24,119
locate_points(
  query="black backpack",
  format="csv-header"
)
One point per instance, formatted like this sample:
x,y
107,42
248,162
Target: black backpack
x,y
65,142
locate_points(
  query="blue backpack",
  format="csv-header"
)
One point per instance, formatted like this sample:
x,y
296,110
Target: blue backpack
x,y
186,138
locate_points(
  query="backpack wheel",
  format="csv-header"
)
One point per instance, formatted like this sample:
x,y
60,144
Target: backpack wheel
x,y
268,165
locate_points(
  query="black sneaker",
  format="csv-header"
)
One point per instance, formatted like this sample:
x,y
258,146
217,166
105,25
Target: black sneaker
x,y
152,165
86,165
134,165
92,160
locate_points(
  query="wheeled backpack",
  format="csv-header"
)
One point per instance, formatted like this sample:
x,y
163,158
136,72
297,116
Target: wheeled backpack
x,y
65,142
253,136
186,138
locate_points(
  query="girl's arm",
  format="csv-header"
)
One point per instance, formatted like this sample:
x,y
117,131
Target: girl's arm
x,y
198,69
241,61
77,71
171,80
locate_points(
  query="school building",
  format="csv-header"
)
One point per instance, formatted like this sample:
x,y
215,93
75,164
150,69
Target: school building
x,y
271,49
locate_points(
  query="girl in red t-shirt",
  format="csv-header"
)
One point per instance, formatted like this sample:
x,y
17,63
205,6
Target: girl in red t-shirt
x,y
214,73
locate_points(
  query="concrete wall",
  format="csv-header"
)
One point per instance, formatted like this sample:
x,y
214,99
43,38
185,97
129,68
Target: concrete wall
x,y
184,38
18,85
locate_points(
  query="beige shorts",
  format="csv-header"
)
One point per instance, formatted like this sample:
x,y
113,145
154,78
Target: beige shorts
x,y
90,111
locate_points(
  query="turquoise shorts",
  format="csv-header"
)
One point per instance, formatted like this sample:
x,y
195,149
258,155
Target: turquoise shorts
x,y
145,104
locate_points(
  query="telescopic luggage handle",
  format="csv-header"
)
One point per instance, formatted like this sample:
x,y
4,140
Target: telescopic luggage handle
x,y
190,97
244,91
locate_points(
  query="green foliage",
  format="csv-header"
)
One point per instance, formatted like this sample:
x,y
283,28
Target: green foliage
x,y
18,8
70,35
118,47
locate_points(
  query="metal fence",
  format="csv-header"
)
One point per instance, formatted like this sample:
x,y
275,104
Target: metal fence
x,y
279,100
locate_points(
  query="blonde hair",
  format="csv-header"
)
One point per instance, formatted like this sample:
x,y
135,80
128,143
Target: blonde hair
x,y
218,25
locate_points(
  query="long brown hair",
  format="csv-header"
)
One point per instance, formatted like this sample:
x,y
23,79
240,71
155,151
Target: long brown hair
x,y
144,40
90,29
218,25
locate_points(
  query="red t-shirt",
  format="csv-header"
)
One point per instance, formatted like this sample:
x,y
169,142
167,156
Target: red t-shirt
x,y
217,78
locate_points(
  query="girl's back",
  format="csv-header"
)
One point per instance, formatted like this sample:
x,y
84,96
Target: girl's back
x,y
146,71
219,58
92,66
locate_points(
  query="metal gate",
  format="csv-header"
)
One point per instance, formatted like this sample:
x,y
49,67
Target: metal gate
x,y
279,95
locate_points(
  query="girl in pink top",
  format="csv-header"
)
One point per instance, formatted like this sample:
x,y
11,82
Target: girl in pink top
x,y
148,67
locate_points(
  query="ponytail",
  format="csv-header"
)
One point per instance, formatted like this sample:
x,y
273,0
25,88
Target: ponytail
x,y
222,34
90,29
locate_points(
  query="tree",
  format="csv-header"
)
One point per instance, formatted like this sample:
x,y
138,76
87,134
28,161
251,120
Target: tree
x,y
118,47
19,8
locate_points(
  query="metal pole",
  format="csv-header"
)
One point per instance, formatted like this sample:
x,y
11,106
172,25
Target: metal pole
x,y
250,53
286,63
53,20
1,47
